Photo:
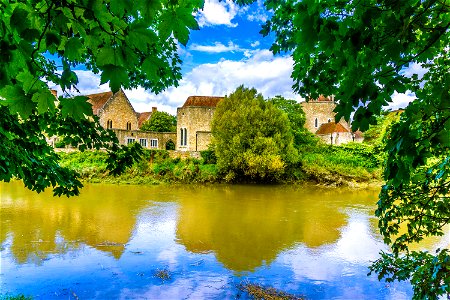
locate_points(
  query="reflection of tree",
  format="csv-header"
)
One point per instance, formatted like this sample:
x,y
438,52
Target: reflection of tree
x,y
247,226
102,217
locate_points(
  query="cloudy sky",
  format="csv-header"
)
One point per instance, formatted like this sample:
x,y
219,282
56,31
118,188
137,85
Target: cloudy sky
x,y
226,52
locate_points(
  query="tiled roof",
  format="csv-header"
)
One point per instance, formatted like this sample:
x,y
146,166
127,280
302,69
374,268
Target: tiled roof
x,y
208,101
331,127
142,117
99,100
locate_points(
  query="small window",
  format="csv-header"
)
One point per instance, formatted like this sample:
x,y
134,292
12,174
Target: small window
x,y
181,136
130,140
143,142
185,136
329,120
128,125
316,123
153,143
109,124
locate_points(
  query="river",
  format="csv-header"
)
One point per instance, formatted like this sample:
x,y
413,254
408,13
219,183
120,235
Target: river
x,y
111,242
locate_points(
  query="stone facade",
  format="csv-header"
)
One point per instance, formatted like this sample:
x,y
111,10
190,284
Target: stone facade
x,y
150,140
194,123
114,110
320,121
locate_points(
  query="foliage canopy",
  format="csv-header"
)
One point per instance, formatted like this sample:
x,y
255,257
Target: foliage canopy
x,y
129,43
160,121
358,51
252,138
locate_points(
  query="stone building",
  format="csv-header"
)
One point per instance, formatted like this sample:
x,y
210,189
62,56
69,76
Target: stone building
x,y
194,123
116,112
320,120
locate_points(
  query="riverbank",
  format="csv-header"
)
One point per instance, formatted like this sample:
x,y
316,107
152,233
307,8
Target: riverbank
x,y
351,165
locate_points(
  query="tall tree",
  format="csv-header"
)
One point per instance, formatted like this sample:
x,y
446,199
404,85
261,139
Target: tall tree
x,y
297,120
359,51
160,121
252,138
130,43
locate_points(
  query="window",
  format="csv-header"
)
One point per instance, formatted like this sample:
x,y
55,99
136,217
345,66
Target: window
x,y
128,125
130,140
143,142
329,120
153,143
109,124
316,123
183,135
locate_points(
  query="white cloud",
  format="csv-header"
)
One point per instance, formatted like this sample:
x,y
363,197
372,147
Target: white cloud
x,y
255,44
217,12
259,13
401,100
218,47
268,74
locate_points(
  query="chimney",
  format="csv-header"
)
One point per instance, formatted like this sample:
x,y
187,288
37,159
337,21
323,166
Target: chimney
x,y
154,109
54,93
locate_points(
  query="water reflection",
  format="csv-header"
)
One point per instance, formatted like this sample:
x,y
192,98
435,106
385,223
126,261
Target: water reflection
x,y
248,226
107,243
39,225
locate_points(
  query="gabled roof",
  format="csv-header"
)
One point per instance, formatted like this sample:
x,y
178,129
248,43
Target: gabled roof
x,y
143,116
99,100
331,127
208,101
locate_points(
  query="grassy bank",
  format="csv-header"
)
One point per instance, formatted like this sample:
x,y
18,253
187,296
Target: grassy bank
x,y
328,165
155,167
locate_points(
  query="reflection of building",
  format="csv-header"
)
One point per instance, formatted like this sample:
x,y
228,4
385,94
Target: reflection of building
x,y
194,122
320,120
100,217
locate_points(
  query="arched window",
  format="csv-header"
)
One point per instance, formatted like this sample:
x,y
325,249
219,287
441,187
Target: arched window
x,y
316,123
183,137
128,125
109,124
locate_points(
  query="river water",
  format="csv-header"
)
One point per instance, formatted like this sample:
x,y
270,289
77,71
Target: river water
x,y
111,242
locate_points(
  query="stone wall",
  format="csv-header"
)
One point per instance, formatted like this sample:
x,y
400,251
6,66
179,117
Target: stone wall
x,y
145,138
185,154
197,122
119,111
322,111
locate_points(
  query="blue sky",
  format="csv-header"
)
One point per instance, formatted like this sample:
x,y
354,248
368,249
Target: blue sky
x,y
226,52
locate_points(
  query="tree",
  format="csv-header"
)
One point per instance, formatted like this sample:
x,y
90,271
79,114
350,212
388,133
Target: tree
x,y
358,51
160,121
130,43
297,120
252,138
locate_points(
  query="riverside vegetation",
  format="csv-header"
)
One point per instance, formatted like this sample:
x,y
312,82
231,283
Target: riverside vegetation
x,y
323,164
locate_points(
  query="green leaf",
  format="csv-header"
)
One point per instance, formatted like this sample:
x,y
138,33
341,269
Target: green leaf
x,y
73,49
140,36
45,101
17,101
116,75
27,80
19,19
185,16
77,108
